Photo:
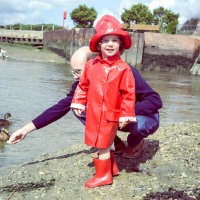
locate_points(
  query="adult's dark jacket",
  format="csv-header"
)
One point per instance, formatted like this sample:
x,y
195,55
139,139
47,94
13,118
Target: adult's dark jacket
x,y
148,102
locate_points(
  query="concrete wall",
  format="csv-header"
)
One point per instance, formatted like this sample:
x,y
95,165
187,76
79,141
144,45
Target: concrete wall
x,y
166,52
66,42
168,44
150,51
21,36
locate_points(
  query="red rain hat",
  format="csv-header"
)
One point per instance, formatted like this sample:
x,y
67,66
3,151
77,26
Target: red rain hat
x,y
109,25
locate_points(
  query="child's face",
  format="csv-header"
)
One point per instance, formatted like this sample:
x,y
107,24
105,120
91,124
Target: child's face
x,y
109,45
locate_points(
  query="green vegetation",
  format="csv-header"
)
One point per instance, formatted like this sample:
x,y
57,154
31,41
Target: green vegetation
x,y
36,27
83,17
167,20
140,14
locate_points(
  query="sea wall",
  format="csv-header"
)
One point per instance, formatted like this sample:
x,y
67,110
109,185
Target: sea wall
x,y
66,42
21,37
166,52
150,51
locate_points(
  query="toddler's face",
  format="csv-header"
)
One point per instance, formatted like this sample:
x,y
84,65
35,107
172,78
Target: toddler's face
x,y
109,45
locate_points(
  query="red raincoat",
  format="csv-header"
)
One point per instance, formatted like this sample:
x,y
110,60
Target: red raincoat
x,y
108,89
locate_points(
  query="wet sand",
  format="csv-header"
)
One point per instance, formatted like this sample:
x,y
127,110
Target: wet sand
x,y
31,53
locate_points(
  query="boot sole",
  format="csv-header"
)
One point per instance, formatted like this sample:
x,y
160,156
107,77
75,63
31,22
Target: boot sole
x,y
98,185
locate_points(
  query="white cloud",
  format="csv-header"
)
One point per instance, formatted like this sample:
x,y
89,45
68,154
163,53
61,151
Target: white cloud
x,y
187,9
157,3
51,11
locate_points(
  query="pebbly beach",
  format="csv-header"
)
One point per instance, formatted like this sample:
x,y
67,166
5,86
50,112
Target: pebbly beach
x,y
169,168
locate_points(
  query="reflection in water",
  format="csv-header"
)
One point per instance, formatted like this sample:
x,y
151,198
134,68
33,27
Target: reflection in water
x,y
27,89
2,145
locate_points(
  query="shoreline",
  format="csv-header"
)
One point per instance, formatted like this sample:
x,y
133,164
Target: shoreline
x,y
168,168
27,53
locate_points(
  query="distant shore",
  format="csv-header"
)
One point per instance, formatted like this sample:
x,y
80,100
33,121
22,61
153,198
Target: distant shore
x,y
31,53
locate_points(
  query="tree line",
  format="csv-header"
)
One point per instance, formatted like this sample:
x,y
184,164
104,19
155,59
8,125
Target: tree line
x,y
137,14
84,17
36,27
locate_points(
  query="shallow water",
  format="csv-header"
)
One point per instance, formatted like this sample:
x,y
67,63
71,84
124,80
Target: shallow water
x,y
28,88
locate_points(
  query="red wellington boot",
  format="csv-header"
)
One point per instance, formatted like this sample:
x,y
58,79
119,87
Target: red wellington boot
x,y
103,175
115,170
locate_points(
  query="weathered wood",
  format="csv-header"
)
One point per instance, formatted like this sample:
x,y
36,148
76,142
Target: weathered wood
x,y
144,27
195,70
134,55
141,27
66,42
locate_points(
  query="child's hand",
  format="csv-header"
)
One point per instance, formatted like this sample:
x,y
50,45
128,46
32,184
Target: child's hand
x,y
78,112
123,124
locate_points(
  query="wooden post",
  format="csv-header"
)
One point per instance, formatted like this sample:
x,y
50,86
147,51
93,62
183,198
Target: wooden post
x,y
134,55
196,67
140,50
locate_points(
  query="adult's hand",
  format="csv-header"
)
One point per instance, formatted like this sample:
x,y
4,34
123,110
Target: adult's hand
x,y
21,133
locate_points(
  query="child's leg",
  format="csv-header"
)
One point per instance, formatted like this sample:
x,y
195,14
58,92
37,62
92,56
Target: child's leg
x,y
103,167
104,154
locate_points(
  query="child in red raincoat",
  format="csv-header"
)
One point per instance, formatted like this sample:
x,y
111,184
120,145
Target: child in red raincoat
x,y
107,91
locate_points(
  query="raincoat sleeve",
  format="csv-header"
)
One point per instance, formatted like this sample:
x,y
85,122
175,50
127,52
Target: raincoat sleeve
x,y
127,90
80,96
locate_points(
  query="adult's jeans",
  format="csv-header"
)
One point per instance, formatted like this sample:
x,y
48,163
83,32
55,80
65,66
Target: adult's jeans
x,y
145,126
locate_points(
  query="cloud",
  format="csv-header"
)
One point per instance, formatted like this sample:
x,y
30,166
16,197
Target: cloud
x,y
187,9
51,11
157,3
29,11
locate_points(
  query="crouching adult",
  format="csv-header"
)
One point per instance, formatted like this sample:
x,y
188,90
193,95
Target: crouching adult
x,y
148,103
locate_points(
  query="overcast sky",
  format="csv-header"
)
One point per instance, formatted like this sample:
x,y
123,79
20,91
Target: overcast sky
x,y
51,11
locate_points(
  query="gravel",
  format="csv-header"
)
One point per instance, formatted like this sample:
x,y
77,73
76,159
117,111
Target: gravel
x,y
168,168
